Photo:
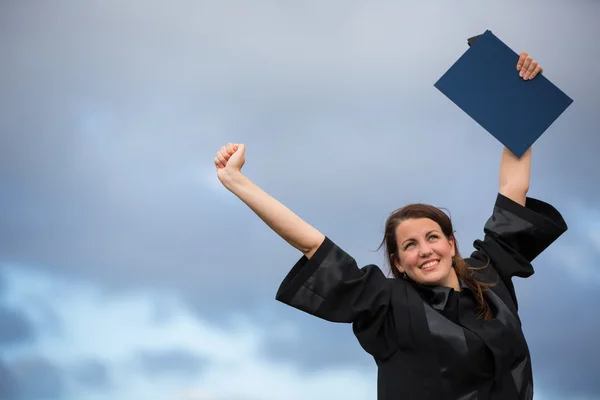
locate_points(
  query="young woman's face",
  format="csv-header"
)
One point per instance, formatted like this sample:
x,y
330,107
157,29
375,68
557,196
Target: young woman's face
x,y
425,254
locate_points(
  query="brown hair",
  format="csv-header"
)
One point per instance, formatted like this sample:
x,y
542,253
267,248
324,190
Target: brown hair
x,y
463,270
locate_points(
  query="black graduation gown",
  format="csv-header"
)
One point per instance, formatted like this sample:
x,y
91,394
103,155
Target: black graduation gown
x,y
427,341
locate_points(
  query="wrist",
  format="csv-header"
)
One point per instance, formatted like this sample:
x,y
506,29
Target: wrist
x,y
233,179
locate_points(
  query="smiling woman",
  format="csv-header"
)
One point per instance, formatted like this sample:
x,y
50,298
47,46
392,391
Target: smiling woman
x,y
420,246
444,327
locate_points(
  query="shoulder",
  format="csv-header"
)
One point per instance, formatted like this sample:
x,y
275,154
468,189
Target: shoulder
x,y
328,268
330,285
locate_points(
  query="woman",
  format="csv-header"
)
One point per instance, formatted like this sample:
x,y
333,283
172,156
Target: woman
x,y
444,327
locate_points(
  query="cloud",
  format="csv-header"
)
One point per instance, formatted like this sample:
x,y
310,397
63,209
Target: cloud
x,y
93,374
37,377
15,328
555,307
106,147
110,335
582,244
311,344
561,332
107,336
108,135
8,385
176,361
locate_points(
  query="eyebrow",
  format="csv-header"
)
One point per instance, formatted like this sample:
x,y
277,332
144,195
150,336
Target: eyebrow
x,y
427,234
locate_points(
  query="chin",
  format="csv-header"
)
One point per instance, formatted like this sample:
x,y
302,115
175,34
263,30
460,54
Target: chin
x,y
434,277
432,281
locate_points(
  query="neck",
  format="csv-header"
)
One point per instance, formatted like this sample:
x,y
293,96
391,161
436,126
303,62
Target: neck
x,y
452,281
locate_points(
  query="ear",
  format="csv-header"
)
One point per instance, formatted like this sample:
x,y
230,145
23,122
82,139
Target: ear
x,y
398,266
451,241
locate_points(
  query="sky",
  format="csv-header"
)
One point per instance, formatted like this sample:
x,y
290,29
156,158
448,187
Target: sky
x,y
128,272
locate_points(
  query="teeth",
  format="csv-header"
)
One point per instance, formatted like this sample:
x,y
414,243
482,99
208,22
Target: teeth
x,y
429,264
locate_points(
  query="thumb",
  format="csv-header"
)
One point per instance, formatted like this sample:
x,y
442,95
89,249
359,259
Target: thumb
x,y
236,161
241,149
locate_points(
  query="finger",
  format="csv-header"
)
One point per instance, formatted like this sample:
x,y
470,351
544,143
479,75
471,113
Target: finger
x,y
525,66
530,69
225,153
218,163
222,159
230,148
522,58
235,146
536,71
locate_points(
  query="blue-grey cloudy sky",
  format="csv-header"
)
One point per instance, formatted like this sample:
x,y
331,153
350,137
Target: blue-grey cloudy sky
x,y
127,272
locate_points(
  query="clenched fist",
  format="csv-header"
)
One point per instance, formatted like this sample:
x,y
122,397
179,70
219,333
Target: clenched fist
x,y
229,160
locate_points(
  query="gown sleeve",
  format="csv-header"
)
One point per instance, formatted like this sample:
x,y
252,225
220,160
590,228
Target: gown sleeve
x,y
330,286
515,235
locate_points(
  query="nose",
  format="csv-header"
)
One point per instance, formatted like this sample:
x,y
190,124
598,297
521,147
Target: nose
x,y
425,250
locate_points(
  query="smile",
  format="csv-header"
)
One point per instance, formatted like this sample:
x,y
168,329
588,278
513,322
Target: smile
x,y
429,265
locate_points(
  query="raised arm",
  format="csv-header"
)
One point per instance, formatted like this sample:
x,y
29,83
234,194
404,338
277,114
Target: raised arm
x,y
514,175
279,218
515,171
326,282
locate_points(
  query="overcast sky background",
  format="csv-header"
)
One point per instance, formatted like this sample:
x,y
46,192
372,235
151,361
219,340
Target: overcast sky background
x,y
128,272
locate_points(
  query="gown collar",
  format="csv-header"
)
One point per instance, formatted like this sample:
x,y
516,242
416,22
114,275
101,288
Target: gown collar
x,y
437,296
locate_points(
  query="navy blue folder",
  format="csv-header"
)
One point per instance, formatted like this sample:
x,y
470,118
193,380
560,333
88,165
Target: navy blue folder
x,y
485,84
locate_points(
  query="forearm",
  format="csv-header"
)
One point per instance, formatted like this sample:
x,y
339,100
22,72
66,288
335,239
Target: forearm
x,y
514,175
278,217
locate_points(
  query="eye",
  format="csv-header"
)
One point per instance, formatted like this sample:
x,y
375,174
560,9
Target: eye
x,y
408,245
434,236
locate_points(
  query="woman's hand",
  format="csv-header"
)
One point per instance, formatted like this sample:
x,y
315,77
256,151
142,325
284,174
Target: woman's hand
x,y
229,161
528,67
